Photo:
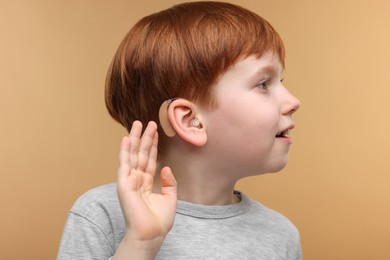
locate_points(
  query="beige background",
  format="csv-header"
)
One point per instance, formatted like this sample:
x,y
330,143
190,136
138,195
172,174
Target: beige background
x,y
57,140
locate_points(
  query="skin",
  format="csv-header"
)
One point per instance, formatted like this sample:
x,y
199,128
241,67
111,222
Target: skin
x,y
148,216
234,140
253,107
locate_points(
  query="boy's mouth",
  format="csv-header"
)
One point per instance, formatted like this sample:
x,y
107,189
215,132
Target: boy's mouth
x,y
283,134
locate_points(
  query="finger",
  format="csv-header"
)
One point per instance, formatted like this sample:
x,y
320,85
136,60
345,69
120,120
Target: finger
x,y
145,145
152,161
124,159
124,164
168,183
124,150
147,184
134,136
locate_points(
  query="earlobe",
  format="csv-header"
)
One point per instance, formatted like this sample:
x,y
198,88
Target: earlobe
x,y
186,122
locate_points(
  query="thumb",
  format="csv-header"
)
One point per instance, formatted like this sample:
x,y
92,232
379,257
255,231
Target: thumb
x,y
168,183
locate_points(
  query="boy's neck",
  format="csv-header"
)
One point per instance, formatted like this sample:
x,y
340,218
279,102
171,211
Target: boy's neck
x,y
202,176
201,187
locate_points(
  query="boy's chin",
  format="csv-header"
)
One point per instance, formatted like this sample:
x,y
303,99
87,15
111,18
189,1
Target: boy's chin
x,y
277,167
270,170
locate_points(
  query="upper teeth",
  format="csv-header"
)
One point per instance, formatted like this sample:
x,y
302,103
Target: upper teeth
x,y
284,133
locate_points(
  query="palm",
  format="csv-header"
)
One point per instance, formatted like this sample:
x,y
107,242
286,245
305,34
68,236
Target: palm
x,y
147,215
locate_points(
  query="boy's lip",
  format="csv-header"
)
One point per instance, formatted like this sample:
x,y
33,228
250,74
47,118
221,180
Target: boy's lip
x,y
284,133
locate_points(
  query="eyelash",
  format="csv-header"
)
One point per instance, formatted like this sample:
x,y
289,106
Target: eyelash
x,y
264,84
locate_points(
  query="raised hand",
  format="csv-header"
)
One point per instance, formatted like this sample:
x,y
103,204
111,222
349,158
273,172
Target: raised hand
x,y
148,216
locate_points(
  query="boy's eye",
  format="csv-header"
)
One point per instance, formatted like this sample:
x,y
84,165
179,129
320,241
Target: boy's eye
x,y
263,84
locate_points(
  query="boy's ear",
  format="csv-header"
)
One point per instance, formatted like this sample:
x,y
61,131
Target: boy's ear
x,y
181,115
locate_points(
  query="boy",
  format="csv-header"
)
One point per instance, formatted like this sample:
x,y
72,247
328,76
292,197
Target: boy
x,y
209,74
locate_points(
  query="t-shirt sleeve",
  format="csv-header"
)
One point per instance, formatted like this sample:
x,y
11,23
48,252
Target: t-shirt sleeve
x,y
83,239
297,250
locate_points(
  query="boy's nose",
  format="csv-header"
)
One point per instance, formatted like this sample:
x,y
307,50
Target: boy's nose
x,y
292,104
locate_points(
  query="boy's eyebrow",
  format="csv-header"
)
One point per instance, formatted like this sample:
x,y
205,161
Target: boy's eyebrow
x,y
267,69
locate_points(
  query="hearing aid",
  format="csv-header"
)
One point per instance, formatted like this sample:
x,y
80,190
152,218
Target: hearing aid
x,y
195,123
164,121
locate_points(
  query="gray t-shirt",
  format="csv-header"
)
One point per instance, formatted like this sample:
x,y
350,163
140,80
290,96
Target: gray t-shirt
x,y
246,230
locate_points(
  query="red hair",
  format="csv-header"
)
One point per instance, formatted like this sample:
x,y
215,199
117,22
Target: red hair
x,y
181,52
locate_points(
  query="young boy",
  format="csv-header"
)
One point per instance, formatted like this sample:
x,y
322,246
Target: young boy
x,y
205,80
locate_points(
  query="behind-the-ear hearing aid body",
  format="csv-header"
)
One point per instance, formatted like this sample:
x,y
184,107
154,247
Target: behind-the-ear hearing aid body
x,y
164,121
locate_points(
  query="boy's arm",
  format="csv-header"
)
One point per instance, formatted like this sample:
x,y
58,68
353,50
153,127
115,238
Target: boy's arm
x,y
148,216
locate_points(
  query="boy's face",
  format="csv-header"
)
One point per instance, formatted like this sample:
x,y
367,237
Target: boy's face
x,y
254,108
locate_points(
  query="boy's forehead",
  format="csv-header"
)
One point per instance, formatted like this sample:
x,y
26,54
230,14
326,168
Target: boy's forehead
x,y
253,62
